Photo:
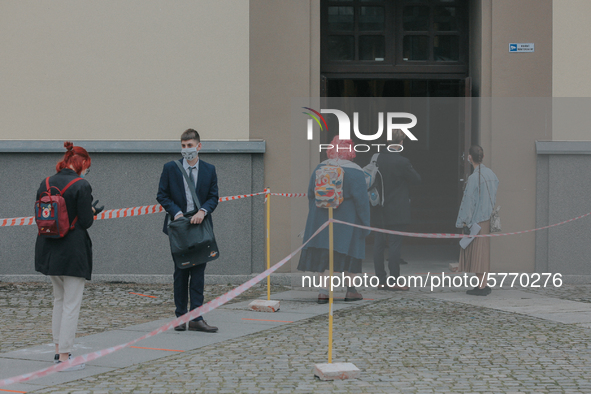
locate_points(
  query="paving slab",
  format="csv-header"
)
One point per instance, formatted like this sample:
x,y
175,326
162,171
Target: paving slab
x,y
21,388
525,303
12,367
234,320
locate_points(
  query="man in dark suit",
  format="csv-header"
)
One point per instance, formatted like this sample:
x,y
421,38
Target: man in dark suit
x,y
397,175
175,197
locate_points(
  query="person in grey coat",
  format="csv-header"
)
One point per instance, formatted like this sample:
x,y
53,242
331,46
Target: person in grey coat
x,y
68,260
480,196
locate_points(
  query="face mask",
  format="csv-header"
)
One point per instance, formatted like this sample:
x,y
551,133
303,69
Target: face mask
x,y
85,173
189,153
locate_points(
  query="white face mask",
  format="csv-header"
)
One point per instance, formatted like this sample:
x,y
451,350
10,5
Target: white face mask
x,y
189,153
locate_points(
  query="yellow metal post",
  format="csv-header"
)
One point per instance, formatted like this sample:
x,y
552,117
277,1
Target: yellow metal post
x,y
268,195
331,271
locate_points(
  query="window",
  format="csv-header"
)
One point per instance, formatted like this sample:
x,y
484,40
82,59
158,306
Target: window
x,y
431,31
356,30
394,36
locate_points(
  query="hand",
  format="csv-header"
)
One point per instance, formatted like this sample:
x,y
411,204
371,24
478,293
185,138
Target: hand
x,y
198,217
95,209
178,215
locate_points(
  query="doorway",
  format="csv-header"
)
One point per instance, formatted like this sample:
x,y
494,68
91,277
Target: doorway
x,y
436,200
414,49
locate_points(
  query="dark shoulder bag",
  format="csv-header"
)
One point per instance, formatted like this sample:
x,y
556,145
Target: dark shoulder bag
x,y
191,244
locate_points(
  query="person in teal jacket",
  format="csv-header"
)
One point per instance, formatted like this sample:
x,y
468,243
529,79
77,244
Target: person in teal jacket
x,y
477,205
349,242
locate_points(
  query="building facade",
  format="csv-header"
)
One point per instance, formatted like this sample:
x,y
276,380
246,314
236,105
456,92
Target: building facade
x,y
125,79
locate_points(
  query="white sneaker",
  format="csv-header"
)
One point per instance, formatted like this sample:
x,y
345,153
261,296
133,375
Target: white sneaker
x,y
74,368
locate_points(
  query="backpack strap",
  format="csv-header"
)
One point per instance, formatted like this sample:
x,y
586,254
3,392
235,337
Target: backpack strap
x,y
73,223
48,191
382,183
55,187
62,193
68,185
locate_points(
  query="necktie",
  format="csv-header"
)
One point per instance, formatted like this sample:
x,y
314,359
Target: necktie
x,y
191,177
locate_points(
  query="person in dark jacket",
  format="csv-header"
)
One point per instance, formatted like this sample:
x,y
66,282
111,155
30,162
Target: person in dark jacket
x,y
397,174
68,260
176,198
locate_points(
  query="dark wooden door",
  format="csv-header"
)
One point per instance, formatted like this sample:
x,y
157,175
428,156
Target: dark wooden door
x,y
465,138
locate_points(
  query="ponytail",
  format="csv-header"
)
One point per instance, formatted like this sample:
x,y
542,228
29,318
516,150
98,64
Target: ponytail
x,y
75,157
477,153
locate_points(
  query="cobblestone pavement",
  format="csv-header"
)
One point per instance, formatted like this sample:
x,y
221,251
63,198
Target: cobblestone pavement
x,y
406,344
579,293
105,306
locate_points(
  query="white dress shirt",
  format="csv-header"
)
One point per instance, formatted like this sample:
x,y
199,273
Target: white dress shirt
x,y
188,194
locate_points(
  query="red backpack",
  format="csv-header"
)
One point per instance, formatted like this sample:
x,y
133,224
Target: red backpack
x,y
51,214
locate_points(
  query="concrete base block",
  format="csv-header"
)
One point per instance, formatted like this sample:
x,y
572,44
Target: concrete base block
x,y
336,371
264,306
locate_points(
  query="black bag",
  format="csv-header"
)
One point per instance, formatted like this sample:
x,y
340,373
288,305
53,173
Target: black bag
x,y
191,244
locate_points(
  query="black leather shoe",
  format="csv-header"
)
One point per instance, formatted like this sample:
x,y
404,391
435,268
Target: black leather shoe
x,y
201,325
181,327
478,291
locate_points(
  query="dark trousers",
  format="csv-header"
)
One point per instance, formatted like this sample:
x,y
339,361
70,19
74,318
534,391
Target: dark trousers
x,y
189,281
394,243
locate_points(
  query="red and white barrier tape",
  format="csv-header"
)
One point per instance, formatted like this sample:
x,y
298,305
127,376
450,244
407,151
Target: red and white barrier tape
x,y
448,235
127,212
25,221
231,198
149,209
118,213
211,305
268,193
289,194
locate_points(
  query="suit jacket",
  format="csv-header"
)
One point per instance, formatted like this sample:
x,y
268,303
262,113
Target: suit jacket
x,y
72,254
397,174
171,190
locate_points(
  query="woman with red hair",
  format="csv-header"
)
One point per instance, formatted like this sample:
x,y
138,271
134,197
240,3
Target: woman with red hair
x,y
68,260
349,242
